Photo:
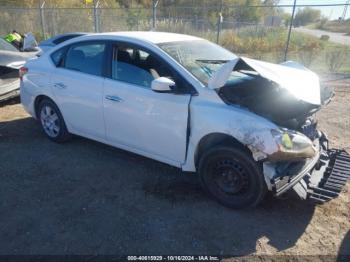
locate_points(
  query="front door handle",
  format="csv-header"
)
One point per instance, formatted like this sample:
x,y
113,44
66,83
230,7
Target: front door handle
x,y
114,98
60,85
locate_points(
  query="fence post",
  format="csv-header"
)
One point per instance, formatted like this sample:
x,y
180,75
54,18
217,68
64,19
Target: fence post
x,y
220,20
41,10
154,14
290,30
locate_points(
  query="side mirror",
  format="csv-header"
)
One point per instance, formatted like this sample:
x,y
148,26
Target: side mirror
x,y
162,85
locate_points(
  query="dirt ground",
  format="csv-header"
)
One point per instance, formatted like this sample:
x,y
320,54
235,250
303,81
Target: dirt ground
x,y
84,197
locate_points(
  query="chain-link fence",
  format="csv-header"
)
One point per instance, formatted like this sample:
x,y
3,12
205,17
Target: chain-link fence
x,y
265,36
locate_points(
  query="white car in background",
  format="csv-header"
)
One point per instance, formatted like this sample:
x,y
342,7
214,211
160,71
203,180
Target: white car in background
x,y
11,60
245,126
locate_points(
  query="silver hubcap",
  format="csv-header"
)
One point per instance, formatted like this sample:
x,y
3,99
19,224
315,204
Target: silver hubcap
x,y
49,121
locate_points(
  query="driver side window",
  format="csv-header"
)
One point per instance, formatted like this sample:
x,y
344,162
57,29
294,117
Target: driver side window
x,y
136,66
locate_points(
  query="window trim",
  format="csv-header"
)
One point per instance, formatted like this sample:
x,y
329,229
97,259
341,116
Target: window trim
x,y
188,90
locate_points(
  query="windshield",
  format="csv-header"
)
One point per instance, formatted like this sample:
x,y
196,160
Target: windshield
x,y
201,58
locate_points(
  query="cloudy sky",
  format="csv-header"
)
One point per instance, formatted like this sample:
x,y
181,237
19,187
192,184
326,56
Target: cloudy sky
x,y
329,12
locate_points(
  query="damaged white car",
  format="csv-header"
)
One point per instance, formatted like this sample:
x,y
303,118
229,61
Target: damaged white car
x,y
11,60
245,126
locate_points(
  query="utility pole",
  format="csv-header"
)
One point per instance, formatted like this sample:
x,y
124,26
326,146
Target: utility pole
x,y
345,10
154,12
220,20
290,30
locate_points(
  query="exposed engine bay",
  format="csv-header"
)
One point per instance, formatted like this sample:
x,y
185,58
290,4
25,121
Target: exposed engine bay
x,y
267,99
248,88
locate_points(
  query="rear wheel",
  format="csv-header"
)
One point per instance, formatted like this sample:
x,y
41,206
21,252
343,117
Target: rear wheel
x,y
52,122
232,177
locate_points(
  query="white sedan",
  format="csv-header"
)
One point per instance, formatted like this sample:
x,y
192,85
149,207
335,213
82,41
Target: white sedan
x,y
245,126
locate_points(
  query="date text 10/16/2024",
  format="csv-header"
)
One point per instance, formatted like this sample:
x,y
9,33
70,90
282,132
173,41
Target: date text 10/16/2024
x,y
173,258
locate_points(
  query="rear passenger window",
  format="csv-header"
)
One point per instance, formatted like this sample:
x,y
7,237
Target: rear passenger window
x,y
86,58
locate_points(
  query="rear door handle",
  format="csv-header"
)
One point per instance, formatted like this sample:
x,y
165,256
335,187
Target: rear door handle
x,y
60,85
114,98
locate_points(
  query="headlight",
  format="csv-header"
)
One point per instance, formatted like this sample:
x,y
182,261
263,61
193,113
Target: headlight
x,y
292,145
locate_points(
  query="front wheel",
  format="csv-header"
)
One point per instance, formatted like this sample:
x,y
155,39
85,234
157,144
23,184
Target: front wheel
x,y
232,177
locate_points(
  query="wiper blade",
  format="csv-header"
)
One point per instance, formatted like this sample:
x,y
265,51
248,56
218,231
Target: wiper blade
x,y
212,61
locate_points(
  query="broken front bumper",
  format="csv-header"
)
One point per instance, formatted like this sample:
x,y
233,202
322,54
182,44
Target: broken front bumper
x,y
327,179
320,178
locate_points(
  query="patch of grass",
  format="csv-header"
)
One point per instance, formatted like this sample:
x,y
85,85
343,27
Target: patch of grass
x,y
337,26
305,49
269,43
332,26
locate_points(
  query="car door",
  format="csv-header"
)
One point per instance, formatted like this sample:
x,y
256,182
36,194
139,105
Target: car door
x,y
77,83
139,119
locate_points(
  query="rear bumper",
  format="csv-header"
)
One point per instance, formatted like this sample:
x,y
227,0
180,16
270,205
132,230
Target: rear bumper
x,y
320,178
27,100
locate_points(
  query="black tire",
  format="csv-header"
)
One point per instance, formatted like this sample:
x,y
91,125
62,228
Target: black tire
x,y
59,136
232,177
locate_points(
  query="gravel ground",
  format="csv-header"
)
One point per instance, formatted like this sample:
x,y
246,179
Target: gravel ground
x,y
84,197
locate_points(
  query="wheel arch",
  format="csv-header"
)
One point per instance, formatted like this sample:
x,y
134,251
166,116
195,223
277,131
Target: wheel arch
x,y
213,139
37,102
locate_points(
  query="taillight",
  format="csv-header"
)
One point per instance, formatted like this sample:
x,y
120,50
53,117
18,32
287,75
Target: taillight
x,y
22,71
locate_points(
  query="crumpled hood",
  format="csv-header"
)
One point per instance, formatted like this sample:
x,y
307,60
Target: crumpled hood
x,y
302,83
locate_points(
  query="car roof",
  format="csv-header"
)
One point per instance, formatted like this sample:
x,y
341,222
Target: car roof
x,y
150,36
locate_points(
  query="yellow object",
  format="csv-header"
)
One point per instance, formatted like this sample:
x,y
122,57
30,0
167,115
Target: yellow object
x,y
286,141
18,36
12,37
89,2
